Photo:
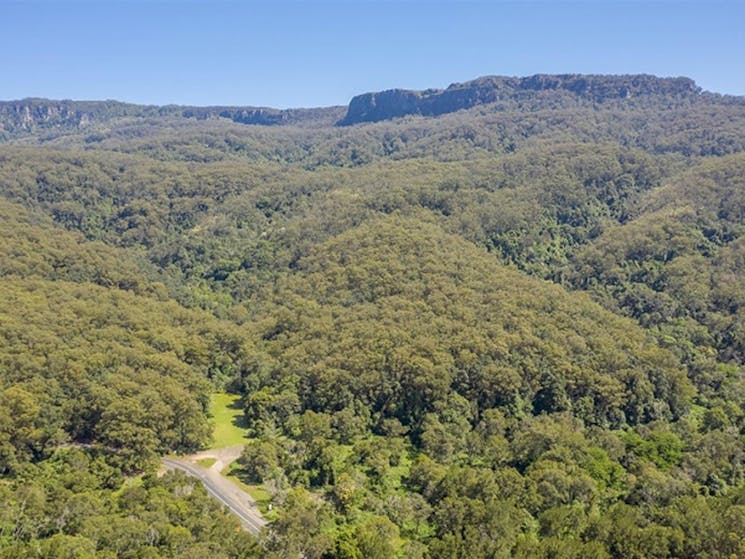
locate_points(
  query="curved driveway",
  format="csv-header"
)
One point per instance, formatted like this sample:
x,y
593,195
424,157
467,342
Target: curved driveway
x,y
225,491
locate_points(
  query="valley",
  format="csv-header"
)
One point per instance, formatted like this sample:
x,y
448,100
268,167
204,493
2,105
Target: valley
x,y
499,319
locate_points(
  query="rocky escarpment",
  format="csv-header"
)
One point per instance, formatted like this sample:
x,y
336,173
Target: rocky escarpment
x,y
25,116
28,115
262,115
371,107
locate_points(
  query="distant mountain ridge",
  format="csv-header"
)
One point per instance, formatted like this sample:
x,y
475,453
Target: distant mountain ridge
x,y
34,115
392,103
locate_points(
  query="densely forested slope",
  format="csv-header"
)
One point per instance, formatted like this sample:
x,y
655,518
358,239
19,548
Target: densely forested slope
x,y
513,330
402,359
225,223
99,374
678,268
33,246
396,317
104,366
83,326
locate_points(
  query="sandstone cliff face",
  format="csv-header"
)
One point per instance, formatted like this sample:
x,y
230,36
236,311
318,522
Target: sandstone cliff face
x,y
371,107
28,115
34,115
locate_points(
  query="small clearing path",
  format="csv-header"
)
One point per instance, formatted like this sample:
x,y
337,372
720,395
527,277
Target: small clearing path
x,y
223,457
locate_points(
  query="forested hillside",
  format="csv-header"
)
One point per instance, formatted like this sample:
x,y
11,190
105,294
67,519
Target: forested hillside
x,y
503,319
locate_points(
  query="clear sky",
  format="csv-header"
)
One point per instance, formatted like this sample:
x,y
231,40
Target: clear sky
x,y
313,53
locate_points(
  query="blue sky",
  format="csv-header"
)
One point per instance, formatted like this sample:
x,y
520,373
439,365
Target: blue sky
x,y
312,53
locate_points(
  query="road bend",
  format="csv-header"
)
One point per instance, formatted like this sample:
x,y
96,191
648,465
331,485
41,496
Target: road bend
x,y
223,490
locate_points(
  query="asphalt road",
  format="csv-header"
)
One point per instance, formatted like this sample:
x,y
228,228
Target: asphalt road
x,y
223,490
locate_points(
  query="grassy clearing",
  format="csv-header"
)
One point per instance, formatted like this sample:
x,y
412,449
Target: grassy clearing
x,y
230,430
227,418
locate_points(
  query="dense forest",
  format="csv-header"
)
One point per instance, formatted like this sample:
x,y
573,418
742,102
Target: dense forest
x,y
504,319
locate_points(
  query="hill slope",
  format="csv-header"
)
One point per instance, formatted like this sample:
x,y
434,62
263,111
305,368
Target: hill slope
x,y
504,323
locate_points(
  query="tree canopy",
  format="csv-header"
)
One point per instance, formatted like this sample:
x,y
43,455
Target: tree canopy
x,y
514,330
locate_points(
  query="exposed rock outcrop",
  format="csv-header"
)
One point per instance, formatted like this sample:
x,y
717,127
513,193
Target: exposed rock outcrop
x,y
33,115
371,107
27,115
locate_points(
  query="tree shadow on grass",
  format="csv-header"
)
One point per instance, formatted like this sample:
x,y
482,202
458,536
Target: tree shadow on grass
x,y
240,419
243,475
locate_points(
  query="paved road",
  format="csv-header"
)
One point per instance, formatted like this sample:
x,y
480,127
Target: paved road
x,y
225,491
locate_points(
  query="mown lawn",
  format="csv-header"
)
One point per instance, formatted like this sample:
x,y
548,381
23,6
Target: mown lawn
x,y
227,417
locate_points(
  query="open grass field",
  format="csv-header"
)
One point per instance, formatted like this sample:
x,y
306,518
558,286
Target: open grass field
x,y
227,417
